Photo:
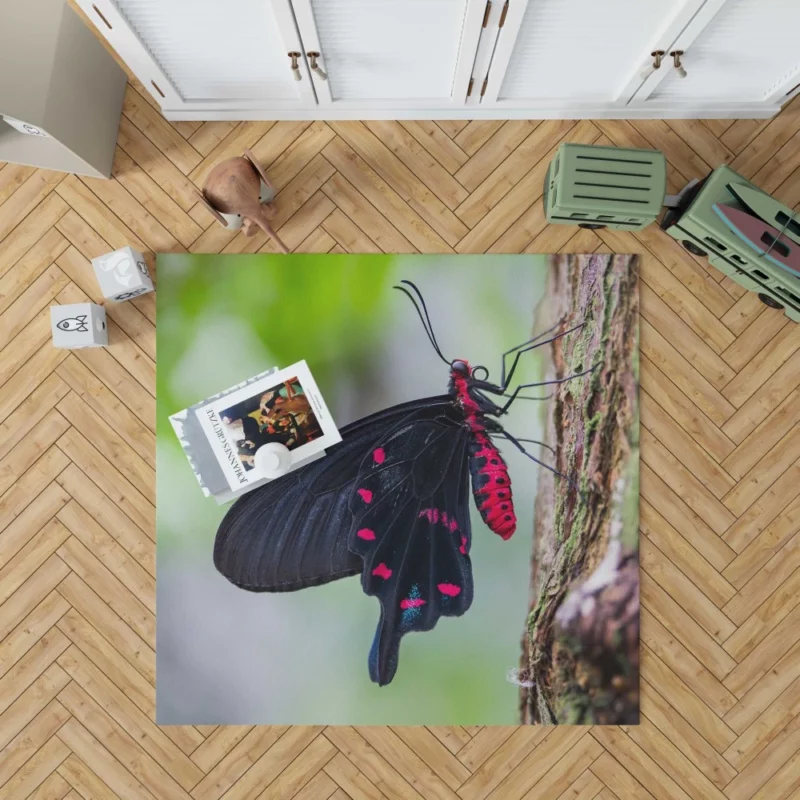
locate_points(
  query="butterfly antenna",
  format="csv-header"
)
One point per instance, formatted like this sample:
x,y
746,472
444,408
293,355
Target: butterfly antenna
x,y
424,318
427,314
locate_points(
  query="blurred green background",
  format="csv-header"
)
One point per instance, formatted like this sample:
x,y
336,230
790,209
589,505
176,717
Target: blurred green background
x,y
225,655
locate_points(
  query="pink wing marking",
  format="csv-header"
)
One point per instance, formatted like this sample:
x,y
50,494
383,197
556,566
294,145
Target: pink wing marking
x,y
366,495
433,515
366,533
379,455
411,603
450,589
382,571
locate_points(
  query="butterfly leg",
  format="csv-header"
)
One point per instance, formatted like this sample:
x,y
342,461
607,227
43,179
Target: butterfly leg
x,y
541,444
518,444
514,395
524,348
524,344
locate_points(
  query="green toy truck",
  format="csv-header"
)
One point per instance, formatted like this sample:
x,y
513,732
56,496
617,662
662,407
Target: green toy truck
x,y
605,187
611,187
699,228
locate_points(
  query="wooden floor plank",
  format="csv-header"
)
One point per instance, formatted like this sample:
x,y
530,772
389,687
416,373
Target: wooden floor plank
x,y
31,738
778,569
567,771
419,162
120,744
684,592
759,370
126,714
783,674
147,192
26,198
475,134
692,635
685,664
31,629
19,241
109,625
510,172
427,227
32,703
619,782
373,226
437,143
677,733
31,593
714,730
112,590
508,199
636,761
101,768
144,153
670,305
686,414
687,486
159,131
684,520
720,473
682,555
12,176
493,153
694,385
297,154
37,769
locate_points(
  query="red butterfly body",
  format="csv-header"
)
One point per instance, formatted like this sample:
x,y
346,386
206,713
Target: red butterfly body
x,y
491,484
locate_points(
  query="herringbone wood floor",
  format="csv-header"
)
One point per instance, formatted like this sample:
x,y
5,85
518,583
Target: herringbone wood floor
x,y
720,505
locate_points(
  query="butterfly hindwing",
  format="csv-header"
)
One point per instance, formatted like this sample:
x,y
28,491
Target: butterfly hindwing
x,y
411,527
292,532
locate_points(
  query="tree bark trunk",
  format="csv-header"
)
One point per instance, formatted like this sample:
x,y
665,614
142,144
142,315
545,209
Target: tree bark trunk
x,y
580,649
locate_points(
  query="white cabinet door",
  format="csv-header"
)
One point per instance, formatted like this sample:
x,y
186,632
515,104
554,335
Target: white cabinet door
x,y
409,54
736,51
587,53
207,55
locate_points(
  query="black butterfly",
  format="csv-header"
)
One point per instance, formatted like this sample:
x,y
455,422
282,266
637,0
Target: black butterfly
x,y
390,501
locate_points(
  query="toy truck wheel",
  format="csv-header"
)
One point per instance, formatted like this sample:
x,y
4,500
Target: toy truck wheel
x,y
592,226
693,248
769,301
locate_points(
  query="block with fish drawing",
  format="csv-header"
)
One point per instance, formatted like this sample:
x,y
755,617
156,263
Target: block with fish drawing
x,y
122,275
78,325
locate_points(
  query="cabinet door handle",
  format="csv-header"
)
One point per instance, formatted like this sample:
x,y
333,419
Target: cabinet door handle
x,y
658,56
295,66
676,58
313,56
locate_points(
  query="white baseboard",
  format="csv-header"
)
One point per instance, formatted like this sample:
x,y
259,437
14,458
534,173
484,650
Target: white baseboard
x,y
700,111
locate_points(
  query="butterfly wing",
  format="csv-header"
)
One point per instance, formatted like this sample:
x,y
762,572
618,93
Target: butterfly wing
x,y
292,532
411,528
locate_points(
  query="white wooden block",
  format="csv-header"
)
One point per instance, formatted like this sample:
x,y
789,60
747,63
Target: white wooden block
x,y
78,325
122,274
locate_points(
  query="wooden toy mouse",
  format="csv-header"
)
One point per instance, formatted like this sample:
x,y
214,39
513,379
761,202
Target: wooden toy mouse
x,y
238,194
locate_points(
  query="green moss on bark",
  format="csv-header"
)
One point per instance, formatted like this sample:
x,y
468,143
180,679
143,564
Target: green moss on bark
x,y
580,647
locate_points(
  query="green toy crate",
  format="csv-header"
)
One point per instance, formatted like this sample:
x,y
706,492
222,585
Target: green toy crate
x,y
599,187
700,230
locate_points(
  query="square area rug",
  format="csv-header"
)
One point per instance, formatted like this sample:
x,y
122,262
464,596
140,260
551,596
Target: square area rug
x,y
456,539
